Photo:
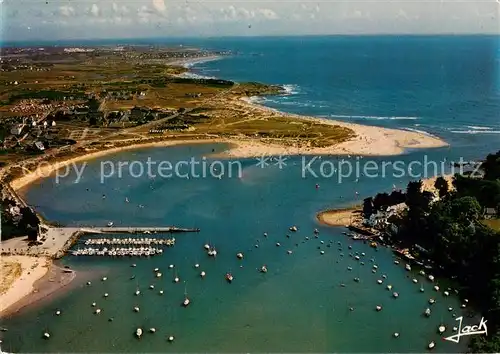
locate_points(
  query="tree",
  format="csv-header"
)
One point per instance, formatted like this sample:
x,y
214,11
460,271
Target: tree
x,y
442,186
367,207
491,167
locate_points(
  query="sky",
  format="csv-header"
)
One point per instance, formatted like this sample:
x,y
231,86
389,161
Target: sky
x,y
93,19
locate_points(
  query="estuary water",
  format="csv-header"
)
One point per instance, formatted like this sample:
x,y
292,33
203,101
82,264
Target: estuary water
x,y
440,85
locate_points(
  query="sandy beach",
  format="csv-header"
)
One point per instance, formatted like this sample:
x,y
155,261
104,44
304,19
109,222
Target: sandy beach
x,y
388,142
32,269
340,217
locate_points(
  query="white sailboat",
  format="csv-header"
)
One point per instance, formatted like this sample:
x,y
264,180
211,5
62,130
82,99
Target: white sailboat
x,y
186,301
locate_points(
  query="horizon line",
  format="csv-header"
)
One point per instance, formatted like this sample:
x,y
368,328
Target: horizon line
x,y
3,42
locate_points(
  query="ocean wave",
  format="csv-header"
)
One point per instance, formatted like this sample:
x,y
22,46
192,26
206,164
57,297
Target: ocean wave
x,y
473,127
373,117
196,61
291,89
472,131
418,131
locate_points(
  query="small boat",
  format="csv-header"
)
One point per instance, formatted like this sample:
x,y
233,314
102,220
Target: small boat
x,y
161,292
98,311
356,280
106,295
436,288
432,301
202,274
421,272
104,278
94,304
396,262
58,312
110,224
450,309
46,335
379,281
431,277
156,270
427,312
171,266
322,252
89,283
389,287
151,286
415,280
197,265
158,275
422,289
396,334
207,246
446,293
229,277
432,345
441,329
408,267
186,301
176,279
289,252
395,295
293,228
138,332
152,330
349,268
356,258
378,308
239,255
212,252
137,292
136,309
278,244
375,266
171,338
263,269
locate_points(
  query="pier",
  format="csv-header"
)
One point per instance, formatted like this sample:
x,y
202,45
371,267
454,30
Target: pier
x,y
136,230
54,242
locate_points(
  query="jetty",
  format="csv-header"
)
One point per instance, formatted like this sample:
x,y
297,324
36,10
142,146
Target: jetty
x,y
136,230
54,242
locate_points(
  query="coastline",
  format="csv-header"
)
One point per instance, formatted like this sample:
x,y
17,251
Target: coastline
x,y
389,142
345,216
32,269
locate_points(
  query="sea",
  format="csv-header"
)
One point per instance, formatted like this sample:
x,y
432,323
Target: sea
x,y
308,301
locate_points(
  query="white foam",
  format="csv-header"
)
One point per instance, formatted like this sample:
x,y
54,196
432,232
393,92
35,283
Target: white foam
x,y
374,117
473,127
475,131
291,89
418,131
190,75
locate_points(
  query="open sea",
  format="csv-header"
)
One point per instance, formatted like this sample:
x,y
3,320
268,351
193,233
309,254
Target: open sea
x,y
445,86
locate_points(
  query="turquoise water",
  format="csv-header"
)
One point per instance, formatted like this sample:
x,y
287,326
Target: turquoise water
x,y
447,86
298,306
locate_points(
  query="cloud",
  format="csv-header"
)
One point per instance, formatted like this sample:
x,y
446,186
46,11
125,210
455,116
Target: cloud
x,y
67,11
94,10
269,14
160,6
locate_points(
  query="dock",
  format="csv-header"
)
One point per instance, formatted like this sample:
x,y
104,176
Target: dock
x,y
135,230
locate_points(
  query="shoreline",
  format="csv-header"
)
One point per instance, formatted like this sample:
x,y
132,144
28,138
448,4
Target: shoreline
x,y
32,270
45,288
390,142
343,216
